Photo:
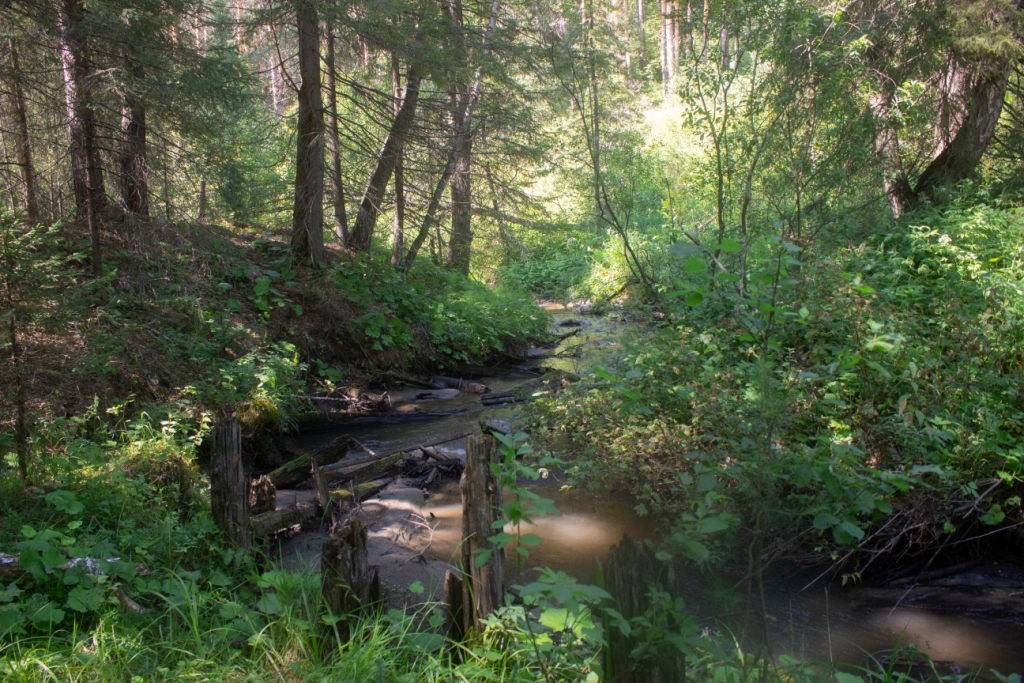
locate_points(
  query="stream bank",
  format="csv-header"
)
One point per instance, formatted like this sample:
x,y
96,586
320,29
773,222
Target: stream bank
x,y
970,621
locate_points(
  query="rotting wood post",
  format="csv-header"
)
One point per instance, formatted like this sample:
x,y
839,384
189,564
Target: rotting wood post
x,y
631,571
229,485
350,587
484,585
453,599
323,494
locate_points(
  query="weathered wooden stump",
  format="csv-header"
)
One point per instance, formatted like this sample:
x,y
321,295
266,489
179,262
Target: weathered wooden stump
x,y
229,485
483,585
453,596
262,496
350,586
631,571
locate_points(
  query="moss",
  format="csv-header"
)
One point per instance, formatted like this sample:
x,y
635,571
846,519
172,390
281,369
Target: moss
x,y
259,413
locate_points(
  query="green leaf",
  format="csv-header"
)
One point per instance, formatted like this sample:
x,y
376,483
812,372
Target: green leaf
x,y
731,246
47,616
531,540
706,482
483,555
85,599
710,525
695,550
694,299
843,677
852,529
824,520
694,265
416,587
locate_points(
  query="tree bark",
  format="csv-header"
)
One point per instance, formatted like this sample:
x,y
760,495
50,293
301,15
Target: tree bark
x,y
22,141
474,94
704,32
958,160
349,585
370,206
481,507
308,213
229,485
431,213
398,228
461,240
134,170
337,184
202,201
86,170
641,35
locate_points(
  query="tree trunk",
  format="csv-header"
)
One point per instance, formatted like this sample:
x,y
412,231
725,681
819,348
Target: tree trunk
x,y
229,485
308,213
664,48
86,169
429,216
202,201
460,243
958,160
704,32
134,171
369,207
398,228
337,184
641,35
22,142
481,507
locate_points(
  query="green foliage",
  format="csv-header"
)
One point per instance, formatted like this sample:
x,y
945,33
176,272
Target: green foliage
x,y
820,395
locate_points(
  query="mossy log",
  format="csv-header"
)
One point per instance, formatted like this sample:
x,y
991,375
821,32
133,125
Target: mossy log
x,y
275,520
298,470
367,468
362,491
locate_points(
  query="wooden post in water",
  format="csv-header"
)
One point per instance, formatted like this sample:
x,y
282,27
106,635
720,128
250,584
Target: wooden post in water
x,y
483,585
349,585
229,485
631,571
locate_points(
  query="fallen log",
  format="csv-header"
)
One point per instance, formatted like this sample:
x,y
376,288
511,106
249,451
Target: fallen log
x,y
275,520
362,491
372,468
297,471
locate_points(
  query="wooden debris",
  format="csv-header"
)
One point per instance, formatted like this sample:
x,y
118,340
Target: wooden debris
x,y
368,468
323,494
455,613
631,571
229,485
362,491
484,587
275,520
350,586
297,471
262,496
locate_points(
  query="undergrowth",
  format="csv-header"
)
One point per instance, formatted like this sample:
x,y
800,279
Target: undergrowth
x,y
861,405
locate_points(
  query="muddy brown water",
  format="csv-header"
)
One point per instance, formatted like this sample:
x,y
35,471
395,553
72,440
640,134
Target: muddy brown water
x,y
973,622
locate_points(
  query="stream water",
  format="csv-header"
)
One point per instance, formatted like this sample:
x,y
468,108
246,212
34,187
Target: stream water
x,y
973,622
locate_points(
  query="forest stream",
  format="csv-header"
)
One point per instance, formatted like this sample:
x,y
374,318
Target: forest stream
x,y
970,621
